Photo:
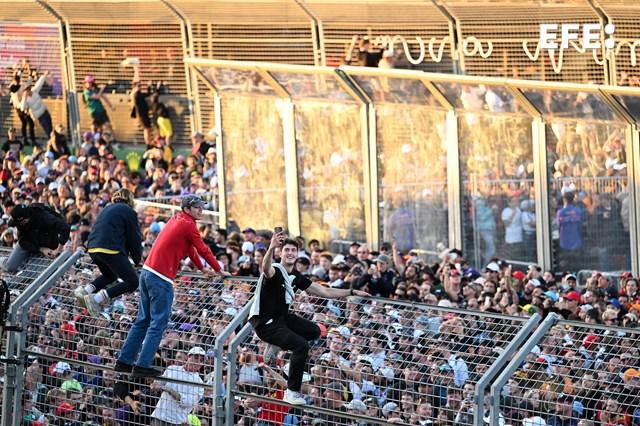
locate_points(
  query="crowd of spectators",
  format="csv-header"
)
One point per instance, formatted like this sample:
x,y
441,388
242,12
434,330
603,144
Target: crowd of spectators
x,y
393,358
404,358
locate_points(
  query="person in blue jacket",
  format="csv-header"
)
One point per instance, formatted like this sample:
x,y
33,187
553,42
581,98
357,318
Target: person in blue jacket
x,y
114,237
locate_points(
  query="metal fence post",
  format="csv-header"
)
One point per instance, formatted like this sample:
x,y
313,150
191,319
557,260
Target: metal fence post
x,y
498,365
231,371
218,389
496,387
14,369
33,294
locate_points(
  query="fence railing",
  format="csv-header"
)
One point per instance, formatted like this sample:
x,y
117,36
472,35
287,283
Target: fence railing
x,y
163,210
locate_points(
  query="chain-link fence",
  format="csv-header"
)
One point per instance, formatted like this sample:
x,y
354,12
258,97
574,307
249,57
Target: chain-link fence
x,y
573,373
66,355
379,362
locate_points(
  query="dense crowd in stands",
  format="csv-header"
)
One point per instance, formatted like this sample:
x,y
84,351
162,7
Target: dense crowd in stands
x,y
381,359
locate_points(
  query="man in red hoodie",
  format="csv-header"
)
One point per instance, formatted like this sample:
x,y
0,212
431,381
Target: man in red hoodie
x,y
179,238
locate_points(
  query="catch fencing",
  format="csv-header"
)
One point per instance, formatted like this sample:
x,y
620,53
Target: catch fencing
x,y
571,372
380,361
65,356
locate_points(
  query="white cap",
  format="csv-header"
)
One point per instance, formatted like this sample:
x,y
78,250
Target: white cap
x,y
61,367
247,246
197,350
534,421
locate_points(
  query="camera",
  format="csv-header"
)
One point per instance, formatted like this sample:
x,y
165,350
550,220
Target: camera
x,y
277,229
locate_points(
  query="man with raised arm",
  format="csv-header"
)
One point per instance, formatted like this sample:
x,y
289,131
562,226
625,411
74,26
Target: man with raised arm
x,y
270,316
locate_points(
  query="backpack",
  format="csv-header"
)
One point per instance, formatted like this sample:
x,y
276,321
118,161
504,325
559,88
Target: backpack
x,y
47,208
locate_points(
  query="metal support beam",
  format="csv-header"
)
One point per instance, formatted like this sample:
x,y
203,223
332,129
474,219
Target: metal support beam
x,y
222,187
498,365
541,188
453,178
515,363
291,167
231,373
633,170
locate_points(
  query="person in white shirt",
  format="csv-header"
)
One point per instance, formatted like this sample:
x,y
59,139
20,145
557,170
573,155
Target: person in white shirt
x,y
178,399
513,232
31,101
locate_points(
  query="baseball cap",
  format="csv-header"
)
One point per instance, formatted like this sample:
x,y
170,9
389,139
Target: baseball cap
x,y
383,258
573,295
61,367
493,267
192,201
247,246
249,230
571,277
518,275
197,350
388,408
197,135
534,421
89,79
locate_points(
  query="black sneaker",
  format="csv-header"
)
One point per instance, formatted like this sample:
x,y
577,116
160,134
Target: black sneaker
x,y
145,372
121,367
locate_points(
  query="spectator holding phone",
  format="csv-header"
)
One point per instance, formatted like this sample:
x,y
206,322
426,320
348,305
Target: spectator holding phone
x,y
270,316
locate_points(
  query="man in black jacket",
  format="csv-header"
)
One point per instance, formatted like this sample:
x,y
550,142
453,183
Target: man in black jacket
x,y
40,230
114,237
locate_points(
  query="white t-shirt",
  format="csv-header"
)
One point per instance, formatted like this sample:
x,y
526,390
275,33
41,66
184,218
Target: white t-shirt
x,y
168,409
513,229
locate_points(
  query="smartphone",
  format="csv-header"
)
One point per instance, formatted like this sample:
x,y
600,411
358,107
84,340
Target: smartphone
x,y
277,229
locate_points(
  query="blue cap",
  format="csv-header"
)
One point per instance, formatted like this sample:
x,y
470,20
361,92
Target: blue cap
x,y
73,159
615,303
552,295
154,228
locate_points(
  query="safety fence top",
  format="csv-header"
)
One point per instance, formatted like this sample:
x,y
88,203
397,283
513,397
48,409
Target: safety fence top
x,y
550,100
28,272
575,372
70,354
381,359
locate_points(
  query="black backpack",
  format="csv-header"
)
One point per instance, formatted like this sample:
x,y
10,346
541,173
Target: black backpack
x,y
47,208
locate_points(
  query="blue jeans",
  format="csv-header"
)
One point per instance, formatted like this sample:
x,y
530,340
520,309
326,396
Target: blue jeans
x,y
154,311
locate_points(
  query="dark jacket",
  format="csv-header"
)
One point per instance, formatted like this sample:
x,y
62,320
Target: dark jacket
x,y
44,229
117,228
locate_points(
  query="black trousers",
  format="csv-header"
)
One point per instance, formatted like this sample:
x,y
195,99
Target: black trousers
x,y
27,121
291,333
112,267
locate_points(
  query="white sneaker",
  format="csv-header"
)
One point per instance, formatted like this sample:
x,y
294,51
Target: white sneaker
x,y
270,354
80,293
294,398
92,306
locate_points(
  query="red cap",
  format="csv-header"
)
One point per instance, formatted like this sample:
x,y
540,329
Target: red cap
x,y
518,275
573,295
590,340
63,409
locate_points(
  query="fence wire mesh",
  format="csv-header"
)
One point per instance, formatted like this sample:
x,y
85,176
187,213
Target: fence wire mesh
x,y
385,361
578,374
69,376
